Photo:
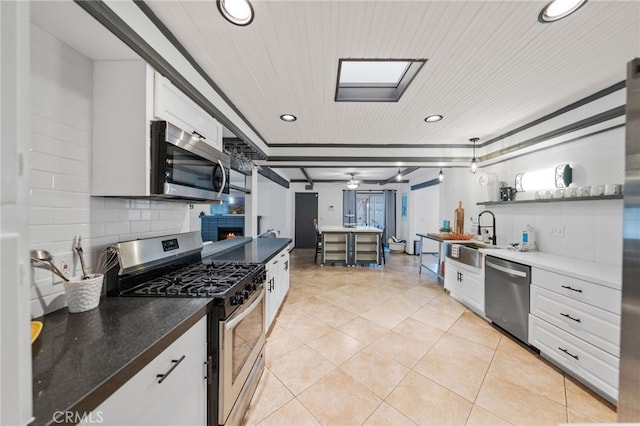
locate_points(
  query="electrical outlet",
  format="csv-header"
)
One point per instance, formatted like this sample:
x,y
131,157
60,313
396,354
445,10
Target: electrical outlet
x,y
557,231
65,265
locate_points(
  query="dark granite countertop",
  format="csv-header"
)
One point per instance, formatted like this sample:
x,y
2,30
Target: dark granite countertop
x,y
81,359
259,250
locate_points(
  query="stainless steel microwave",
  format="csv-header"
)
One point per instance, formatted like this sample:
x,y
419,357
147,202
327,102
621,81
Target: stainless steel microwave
x,y
185,167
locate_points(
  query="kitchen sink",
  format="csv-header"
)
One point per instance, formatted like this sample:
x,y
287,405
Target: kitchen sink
x,y
466,253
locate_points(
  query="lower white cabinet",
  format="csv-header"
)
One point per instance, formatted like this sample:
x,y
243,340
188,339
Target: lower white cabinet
x,y
576,324
277,285
587,362
466,284
170,390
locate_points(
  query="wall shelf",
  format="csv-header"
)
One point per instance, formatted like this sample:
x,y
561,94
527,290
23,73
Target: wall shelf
x,y
552,200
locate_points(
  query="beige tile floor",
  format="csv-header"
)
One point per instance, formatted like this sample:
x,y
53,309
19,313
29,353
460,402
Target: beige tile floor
x,y
386,346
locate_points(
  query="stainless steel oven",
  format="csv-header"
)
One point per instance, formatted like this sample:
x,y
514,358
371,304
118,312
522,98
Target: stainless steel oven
x,y
241,357
185,166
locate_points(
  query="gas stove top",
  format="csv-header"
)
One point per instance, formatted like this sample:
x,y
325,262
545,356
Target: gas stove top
x,y
171,266
201,280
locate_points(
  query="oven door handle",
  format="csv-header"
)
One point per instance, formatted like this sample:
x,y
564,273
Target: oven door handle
x,y
234,320
224,178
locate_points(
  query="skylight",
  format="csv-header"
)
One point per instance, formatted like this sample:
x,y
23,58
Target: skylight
x,y
372,72
375,80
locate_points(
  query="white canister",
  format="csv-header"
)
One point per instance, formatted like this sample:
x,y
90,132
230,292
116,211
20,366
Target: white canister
x,y
529,237
612,189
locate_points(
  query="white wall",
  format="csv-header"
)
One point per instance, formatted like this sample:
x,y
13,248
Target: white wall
x,y
60,206
593,229
273,207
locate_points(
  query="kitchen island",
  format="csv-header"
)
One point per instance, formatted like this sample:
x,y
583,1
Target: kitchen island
x,y
351,245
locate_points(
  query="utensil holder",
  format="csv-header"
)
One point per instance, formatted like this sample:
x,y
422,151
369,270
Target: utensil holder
x,y
83,295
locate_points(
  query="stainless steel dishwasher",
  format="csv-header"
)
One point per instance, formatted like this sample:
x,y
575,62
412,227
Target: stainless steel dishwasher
x,y
507,295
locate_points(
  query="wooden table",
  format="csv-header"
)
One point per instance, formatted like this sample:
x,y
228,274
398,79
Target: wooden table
x,y
351,245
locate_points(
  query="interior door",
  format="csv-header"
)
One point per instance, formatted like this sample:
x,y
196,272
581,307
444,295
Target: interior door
x,y
306,211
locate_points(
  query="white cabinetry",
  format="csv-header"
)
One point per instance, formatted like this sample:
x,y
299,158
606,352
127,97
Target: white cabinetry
x,y
172,105
576,323
170,390
127,96
466,284
277,285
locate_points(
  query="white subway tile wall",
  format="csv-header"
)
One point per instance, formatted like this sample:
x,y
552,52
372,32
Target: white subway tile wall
x,y
60,172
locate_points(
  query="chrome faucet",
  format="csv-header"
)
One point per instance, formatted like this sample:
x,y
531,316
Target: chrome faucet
x,y
493,226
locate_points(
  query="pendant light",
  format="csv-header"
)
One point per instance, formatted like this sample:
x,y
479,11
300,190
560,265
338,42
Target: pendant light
x,y
474,162
440,175
399,176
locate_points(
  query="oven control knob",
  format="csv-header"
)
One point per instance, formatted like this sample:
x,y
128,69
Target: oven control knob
x,y
249,288
237,299
246,294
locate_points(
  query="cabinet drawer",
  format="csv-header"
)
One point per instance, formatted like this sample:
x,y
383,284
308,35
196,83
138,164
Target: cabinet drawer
x,y
138,397
598,327
596,295
592,365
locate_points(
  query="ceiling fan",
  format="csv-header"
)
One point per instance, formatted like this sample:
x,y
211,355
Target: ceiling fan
x,y
352,183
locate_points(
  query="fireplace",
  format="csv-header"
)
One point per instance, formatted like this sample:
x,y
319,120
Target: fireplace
x,y
225,233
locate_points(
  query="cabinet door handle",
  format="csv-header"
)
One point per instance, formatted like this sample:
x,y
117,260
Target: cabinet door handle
x,y
198,135
569,353
570,317
571,288
209,364
175,362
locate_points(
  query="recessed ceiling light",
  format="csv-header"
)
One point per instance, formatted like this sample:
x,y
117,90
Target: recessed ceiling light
x,y
559,9
238,12
288,118
433,118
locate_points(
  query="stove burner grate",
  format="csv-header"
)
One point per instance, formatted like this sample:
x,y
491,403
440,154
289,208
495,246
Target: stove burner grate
x,y
197,280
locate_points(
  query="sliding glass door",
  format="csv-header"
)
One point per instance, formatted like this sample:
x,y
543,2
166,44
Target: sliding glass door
x,y
370,209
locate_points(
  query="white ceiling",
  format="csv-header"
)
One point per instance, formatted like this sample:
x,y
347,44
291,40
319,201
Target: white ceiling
x,y
491,65
491,68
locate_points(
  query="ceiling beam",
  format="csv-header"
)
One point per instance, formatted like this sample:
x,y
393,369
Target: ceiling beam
x,y
306,175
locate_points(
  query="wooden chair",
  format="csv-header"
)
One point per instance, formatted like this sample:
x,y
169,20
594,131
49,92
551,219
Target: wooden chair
x,y
318,243
383,260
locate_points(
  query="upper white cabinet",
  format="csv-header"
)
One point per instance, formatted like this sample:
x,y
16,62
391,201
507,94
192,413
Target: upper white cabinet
x,y
127,96
172,105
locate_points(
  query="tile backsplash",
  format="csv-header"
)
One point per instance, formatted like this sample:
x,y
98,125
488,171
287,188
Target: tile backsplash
x,y
60,206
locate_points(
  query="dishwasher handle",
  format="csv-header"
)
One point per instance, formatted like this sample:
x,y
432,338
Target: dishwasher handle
x,y
506,270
